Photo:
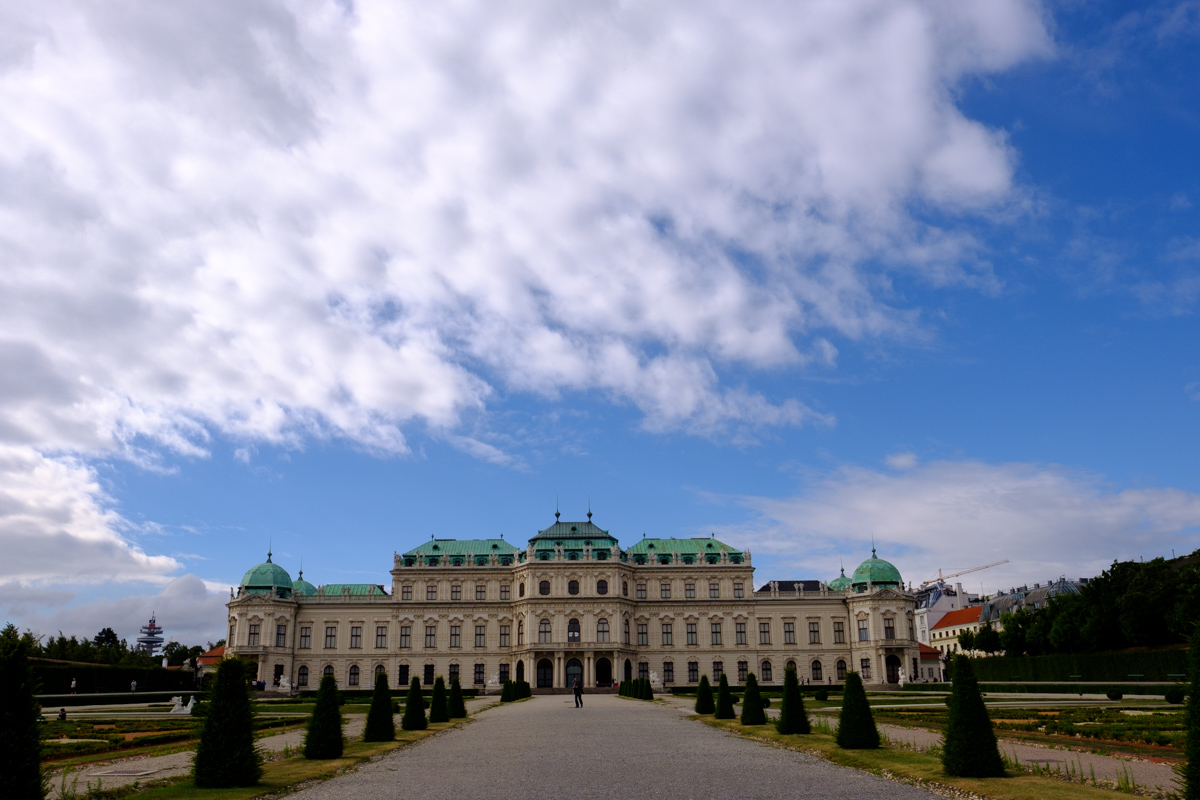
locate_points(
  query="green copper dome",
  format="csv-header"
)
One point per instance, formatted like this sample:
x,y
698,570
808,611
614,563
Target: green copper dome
x,y
301,587
841,583
266,575
875,573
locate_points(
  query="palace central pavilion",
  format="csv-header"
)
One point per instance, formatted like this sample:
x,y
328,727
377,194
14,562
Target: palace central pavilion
x,y
574,604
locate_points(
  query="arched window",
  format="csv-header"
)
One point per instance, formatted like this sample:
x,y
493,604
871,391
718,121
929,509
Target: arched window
x,y
573,632
791,665
521,590
626,631
379,670
841,670
625,588
573,587
302,676
817,673
544,587
602,630
544,631
520,632
766,672
328,670
354,675
601,587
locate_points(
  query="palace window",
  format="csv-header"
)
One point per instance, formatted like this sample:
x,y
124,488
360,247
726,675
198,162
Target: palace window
x,y
406,592
715,628
453,671
381,636
544,587
503,674
714,591
767,674
356,637
305,638
253,640
841,670
520,632
302,676
668,672
480,635
456,591
601,587
431,591
791,665
643,670
739,632
481,591
738,591
521,590
817,672
402,675
479,679
863,633
764,633
626,639
814,632
573,587
232,631
718,668
643,634
667,637
431,635
573,632
505,591
864,668
889,628
743,669
641,591
281,635
505,639
406,636
689,591
602,630
789,633
456,636
664,591
693,671
328,670
625,588
379,670
839,634
353,676
427,676
330,637
544,632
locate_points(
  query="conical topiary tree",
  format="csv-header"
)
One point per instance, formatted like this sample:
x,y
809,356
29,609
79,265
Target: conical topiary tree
x,y
649,690
457,706
506,692
969,744
20,748
226,755
437,704
792,717
414,709
381,725
856,725
1191,768
324,736
752,707
704,697
724,700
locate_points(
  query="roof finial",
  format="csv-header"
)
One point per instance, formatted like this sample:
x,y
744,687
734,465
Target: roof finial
x,y
589,508
301,569
556,508
872,545
270,547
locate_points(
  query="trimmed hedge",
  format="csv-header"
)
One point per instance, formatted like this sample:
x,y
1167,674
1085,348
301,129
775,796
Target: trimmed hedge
x,y
1073,688
414,709
724,700
323,739
792,717
365,695
20,750
1191,769
102,678
1147,665
456,706
226,755
704,697
381,725
969,747
856,725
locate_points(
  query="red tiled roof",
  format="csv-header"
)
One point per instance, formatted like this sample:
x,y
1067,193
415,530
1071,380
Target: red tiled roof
x,y
929,653
211,658
960,616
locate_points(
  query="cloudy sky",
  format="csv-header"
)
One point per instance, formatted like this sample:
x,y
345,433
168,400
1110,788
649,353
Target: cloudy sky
x,y
334,277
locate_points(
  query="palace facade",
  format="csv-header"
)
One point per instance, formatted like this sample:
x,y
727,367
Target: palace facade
x,y
573,604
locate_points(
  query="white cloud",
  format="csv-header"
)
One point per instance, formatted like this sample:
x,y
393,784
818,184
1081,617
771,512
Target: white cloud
x,y
903,460
952,515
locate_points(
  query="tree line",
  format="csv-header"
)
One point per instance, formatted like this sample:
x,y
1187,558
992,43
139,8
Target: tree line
x,y
106,647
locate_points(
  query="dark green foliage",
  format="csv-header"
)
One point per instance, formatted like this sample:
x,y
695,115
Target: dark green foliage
x,y
648,693
323,739
704,697
457,708
765,701
506,693
856,725
226,755
437,704
1175,695
1153,665
987,640
414,709
20,752
381,726
1191,770
523,690
822,695
1115,694
752,707
724,700
792,717
969,744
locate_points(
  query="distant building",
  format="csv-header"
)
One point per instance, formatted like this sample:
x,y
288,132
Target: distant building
x,y
934,601
1018,598
151,639
933,668
945,632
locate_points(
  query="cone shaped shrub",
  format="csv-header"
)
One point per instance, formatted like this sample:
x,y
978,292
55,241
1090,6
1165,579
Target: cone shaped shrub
x,y
506,692
438,712
526,690
792,717
724,699
649,691
856,725
226,755
414,709
20,748
704,697
752,708
969,745
1191,769
457,706
324,737
381,725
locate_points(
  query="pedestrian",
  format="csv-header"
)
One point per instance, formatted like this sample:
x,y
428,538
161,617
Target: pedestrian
x,y
578,693
133,685
72,686
62,715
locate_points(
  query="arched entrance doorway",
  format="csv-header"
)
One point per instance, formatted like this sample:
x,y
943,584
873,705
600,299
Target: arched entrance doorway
x,y
628,670
574,670
893,669
521,670
603,672
545,674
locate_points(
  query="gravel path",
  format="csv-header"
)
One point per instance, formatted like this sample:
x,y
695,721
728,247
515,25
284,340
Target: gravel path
x,y
611,748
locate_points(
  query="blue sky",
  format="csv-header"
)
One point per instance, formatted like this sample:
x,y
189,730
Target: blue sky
x,y
335,278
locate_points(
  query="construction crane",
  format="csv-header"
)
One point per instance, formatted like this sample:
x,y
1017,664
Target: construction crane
x,y
942,577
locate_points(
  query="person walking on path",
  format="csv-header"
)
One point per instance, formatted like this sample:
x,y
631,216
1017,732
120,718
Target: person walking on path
x,y
578,694
133,685
72,686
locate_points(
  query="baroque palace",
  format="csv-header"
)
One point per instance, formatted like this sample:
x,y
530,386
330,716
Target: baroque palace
x,y
574,604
